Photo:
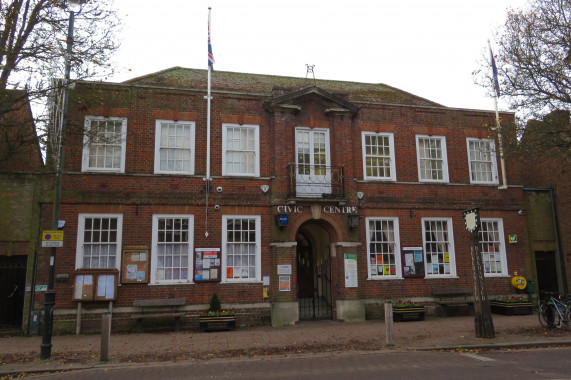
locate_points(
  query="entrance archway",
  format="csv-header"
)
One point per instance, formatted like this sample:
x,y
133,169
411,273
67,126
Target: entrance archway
x,y
313,272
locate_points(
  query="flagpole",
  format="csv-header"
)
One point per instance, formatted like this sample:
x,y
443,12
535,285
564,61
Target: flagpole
x,y
498,125
502,161
208,98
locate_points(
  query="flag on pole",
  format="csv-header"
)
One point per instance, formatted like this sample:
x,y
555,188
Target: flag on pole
x,y
210,56
495,73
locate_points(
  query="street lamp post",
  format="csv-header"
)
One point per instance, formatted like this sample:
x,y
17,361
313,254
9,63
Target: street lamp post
x,y
50,295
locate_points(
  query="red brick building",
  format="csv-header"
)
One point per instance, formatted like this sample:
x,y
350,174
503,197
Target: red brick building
x,y
326,198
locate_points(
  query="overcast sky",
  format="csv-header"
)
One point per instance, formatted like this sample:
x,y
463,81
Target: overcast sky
x,y
426,47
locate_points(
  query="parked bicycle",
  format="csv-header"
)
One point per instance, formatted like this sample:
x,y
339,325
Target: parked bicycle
x,y
554,309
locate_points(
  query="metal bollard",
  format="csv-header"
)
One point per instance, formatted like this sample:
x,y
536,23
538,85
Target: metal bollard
x,y
105,336
389,323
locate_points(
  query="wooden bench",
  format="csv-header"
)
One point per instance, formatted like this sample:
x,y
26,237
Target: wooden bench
x,y
445,297
158,308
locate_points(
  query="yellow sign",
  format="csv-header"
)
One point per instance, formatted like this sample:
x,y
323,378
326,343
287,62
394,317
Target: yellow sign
x,y
519,282
52,238
52,235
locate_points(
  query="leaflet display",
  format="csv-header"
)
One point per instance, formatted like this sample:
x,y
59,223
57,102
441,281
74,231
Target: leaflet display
x,y
135,265
207,264
413,262
95,285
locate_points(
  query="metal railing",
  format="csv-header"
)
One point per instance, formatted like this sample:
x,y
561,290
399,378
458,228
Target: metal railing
x,y
316,181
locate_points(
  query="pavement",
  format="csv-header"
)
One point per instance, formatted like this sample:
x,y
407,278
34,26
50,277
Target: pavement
x,y
20,355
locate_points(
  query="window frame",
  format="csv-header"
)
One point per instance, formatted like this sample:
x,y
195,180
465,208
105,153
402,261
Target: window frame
x,y
445,176
85,166
159,123
493,161
258,265
225,170
392,166
397,249
81,234
451,250
502,247
154,250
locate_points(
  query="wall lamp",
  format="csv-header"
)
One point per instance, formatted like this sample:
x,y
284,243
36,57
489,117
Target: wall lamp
x,y
354,220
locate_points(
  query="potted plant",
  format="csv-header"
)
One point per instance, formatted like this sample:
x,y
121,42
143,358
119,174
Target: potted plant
x,y
406,310
216,319
511,305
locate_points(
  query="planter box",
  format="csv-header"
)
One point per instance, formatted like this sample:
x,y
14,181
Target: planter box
x,y
217,323
511,308
401,314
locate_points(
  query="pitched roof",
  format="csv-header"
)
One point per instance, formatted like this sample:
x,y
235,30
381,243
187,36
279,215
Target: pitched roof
x,y
180,77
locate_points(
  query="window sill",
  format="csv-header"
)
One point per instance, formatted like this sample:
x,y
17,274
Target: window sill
x,y
226,282
440,277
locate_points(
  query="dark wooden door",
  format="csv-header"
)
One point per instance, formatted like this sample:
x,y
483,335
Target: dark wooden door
x,y
12,289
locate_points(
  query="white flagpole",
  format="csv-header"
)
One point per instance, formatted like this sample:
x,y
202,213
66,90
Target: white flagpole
x,y
501,148
208,109
498,126
208,98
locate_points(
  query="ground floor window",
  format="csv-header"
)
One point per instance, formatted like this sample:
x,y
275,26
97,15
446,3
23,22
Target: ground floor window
x,y
438,247
492,246
241,252
172,249
383,248
99,241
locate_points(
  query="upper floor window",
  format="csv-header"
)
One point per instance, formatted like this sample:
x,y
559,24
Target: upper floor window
x,y
99,241
240,150
383,248
174,147
482,160
431,158
104,144
438,247
378,156
492,246
171,253
241,248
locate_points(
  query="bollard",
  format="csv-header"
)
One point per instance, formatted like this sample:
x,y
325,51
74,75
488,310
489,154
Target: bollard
x,y
389,323
105,336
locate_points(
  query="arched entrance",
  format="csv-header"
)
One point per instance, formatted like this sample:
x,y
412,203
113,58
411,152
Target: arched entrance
x,y
313,272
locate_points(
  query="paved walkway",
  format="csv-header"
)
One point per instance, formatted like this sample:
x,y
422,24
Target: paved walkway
x,y
21,354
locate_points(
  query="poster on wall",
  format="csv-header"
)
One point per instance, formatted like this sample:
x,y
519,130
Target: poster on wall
x,y
351,280
413,262
207,264
285,283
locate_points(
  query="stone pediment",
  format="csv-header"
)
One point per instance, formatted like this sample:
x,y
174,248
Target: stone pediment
x,y
291,102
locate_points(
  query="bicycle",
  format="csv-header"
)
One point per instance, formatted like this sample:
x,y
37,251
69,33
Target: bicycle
x,y
554,309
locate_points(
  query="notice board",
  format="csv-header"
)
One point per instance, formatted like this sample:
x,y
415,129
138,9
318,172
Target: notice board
x,y
135,265
95,285
207,265
412,262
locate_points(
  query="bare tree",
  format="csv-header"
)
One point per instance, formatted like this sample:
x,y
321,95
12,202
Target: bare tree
x,y
533,56
33,36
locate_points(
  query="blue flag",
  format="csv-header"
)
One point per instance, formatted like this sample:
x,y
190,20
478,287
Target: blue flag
x,y
495,74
